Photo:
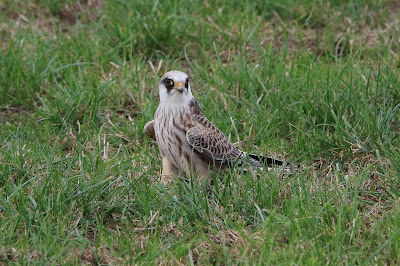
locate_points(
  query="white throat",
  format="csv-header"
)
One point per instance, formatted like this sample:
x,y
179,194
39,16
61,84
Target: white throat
x,y
175,97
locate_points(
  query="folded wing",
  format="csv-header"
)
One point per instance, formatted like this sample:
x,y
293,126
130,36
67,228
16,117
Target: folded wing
x,y
205,138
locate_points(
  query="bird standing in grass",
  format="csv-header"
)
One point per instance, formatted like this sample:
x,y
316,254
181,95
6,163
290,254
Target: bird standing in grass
x,y
187,140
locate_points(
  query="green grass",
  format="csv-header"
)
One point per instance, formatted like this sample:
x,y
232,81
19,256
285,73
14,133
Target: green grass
x,y
313,82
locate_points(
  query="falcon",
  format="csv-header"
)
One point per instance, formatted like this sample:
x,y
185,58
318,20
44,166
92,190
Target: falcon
x,y
188,142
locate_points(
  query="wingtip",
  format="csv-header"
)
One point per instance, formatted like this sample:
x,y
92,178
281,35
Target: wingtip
x,y
148,130
272,163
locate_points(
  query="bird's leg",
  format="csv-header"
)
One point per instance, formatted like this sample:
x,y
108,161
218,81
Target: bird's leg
x,y
168,171
206,176
203,174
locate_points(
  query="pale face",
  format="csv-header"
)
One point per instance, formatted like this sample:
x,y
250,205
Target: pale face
x,y
175,88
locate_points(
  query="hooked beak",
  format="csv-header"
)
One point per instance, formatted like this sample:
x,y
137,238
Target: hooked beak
x,y
179,87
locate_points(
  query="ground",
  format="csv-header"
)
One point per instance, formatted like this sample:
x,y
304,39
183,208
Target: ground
x,y
312,82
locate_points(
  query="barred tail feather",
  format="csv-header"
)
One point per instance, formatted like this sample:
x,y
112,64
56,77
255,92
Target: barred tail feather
x,y
262,161
271,162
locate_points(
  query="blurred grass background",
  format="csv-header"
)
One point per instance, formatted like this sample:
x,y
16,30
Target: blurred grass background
x,y
314,82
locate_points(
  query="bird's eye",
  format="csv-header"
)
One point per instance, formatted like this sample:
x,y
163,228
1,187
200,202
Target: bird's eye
x,y
187,84
169,83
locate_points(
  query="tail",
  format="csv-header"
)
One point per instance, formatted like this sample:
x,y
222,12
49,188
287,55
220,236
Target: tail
x,y
262,161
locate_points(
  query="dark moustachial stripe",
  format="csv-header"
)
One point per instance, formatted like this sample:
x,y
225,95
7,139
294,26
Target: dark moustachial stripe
x,y
187,83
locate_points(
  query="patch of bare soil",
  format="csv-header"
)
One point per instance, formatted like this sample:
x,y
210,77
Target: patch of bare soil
x,y
81,10
8,255
101,256
41,19
8,113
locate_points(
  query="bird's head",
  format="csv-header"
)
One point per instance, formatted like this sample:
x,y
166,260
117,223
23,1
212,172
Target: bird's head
x,y
175,88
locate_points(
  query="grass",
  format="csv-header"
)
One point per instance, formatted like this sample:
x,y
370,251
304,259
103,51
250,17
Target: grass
x,y
313,82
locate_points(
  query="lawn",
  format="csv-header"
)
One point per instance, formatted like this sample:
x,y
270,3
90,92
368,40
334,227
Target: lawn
x,y
315,83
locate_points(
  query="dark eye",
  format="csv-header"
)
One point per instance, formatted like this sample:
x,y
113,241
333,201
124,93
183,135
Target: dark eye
x,y
169,83
187,83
